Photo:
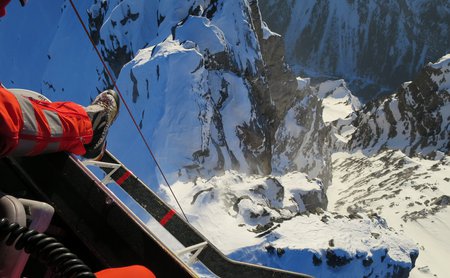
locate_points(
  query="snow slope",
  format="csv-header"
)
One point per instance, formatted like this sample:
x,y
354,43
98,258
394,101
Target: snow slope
x,y
233,209
410,193
405,182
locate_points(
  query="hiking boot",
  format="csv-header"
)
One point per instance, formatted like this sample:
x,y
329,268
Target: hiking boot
x,y
102,112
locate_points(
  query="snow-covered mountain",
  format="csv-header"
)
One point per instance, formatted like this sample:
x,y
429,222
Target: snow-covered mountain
x,y
374,45
414,120
272,168
394,161
277,221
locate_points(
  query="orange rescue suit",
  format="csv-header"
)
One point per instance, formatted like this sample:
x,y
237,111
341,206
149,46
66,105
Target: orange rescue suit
x,y
134,271
31,127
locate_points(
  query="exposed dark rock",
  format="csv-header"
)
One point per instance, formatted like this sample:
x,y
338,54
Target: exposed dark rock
x,y
280,252
443,201
316,260
315,199
267,231
354,216
331,243
324,219
367,262
96,18
200,192
160,18
135,94
334,260
413,256
211,9
117,57
282,83
129,16
270,249
262,228
375,235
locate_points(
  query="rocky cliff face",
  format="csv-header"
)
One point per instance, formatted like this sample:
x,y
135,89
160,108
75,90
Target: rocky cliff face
x,y
225,54
392,159
414,120
303,141
374,45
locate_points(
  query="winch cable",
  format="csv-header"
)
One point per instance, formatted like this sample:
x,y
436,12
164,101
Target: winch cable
x,y
113,80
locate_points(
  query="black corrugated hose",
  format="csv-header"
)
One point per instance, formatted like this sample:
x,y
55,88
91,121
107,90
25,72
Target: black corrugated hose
x,y
45,248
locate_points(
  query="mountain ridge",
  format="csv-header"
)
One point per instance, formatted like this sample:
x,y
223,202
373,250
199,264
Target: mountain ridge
x,y
374,45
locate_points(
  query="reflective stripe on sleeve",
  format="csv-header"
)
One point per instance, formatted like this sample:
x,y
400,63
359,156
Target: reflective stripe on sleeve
x,y
29,144
30,125
54,123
